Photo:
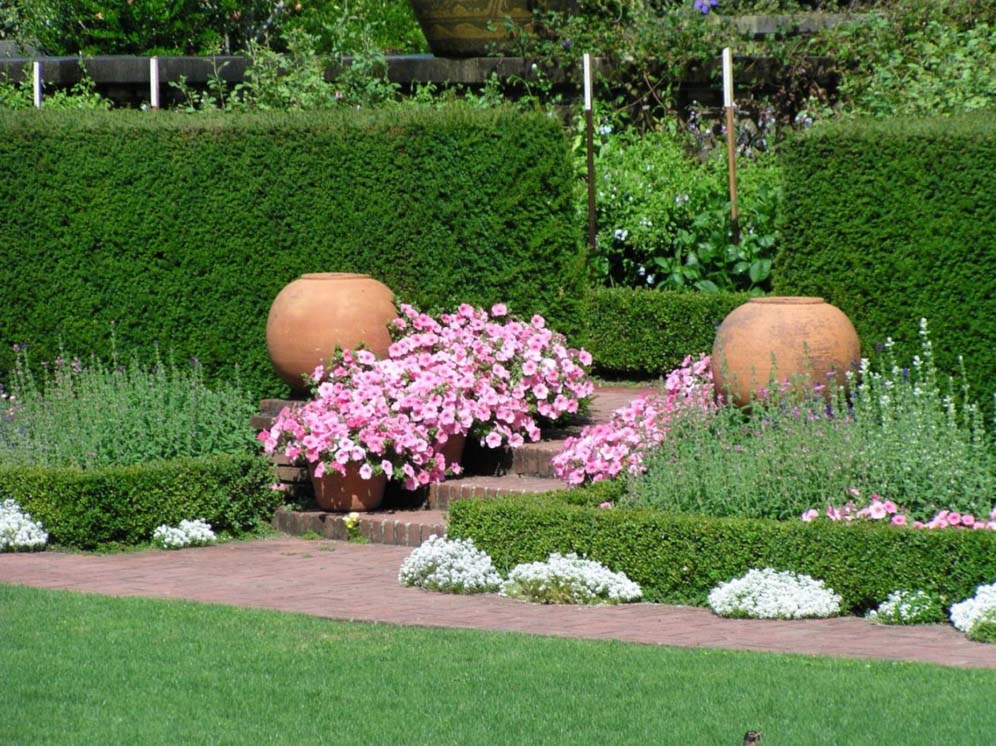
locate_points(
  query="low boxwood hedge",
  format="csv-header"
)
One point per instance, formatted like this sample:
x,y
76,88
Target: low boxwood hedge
x,y
679,558
648,332
123,505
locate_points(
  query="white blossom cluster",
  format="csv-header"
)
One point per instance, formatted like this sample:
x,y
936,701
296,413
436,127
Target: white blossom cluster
x,y
569,579
770,594
17,530
450,566
194,533
907,607
965,614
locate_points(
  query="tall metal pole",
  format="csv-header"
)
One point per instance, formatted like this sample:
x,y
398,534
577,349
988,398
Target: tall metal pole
x,y
731,141
37,83
590,128
154,83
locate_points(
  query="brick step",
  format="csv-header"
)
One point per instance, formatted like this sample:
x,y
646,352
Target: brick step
x,y
399,527
533,459
441,495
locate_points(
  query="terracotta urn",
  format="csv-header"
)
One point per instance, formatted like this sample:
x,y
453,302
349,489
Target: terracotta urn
x,y
476,28
785,339
318,312
344,493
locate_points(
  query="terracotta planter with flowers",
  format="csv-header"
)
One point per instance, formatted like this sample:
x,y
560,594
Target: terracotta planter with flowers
x,y
344,493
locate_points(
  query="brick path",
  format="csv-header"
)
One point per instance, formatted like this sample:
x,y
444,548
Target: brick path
x,y
359,582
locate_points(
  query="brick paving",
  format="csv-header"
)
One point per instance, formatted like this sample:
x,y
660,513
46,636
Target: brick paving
x,y
357,582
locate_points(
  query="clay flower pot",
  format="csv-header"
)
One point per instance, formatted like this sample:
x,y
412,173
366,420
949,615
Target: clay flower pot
x,y
782,338
344,493
316,313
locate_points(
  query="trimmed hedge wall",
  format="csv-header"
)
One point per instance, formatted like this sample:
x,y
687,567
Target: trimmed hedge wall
x,y
649,332
125,504
894,220
680,558
184,228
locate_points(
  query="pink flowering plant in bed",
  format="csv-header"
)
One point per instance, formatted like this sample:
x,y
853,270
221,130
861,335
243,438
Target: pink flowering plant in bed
x,y
886,511
606,450
516,375
470,372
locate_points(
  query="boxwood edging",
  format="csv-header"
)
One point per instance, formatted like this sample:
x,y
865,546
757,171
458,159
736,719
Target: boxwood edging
x,y
86,509
679,558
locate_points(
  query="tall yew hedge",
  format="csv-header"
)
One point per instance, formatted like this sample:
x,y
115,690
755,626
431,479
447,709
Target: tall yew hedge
x,y
182,229
894,220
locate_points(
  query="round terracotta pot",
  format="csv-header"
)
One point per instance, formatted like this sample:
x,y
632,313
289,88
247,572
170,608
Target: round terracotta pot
x,y
475,28
782,338
453,448
318,312
343,493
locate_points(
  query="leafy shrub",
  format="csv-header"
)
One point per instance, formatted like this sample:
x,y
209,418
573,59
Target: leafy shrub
x,y
125,504
891,221
444,206
665,221
17,530
19,95
569,579
908,607
100,27
901,437
649,332
769,594
679,558
97,414
449,566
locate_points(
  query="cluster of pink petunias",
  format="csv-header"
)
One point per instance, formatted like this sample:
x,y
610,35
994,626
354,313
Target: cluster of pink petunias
x,y
514,373
603,451
879,509
390,417
468,372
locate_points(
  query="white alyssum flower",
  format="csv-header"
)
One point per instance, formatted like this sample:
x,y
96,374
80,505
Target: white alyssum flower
x,y
770,594
569,579
966,613
450,566
907,607
194,533
17,530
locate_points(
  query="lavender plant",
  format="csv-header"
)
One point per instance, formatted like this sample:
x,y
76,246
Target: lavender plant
x,y
900,434
94,414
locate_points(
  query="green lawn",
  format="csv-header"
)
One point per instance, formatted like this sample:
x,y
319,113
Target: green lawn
x,y
79,669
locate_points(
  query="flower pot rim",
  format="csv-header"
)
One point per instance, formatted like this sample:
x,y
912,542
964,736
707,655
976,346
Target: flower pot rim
x,y
797,300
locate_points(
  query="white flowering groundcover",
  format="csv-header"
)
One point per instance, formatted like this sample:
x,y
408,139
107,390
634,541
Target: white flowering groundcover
x,y
908,607
194,533
569,579
449,566
966,614
770,594
17,531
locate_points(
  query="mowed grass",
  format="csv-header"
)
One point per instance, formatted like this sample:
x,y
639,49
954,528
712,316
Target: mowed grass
x,y
83,669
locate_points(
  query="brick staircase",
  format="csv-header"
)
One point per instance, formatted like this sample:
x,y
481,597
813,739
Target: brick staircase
x,y
408,519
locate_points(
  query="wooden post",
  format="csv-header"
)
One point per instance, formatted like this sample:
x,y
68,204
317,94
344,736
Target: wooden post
x,y
154,83
731,141
589,118
37,71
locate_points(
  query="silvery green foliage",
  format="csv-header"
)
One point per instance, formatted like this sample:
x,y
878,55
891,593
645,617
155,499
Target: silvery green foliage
x,y
17,530
770,594
450,566
188,534
966,613
569,579
908,607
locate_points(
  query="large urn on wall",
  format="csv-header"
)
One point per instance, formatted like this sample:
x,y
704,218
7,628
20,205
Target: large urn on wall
x,y
475,28
318,312
785,339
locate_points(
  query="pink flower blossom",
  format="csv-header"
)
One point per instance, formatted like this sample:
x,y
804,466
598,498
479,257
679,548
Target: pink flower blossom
x,y
877,510
809,515
605,505
899,520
